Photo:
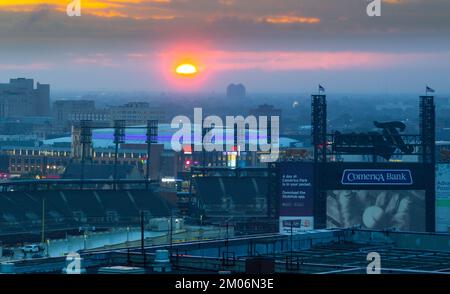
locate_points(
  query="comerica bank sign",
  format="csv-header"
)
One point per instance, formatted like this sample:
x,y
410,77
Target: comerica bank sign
x,y
377,177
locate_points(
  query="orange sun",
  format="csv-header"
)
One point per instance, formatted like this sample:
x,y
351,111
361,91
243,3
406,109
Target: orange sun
x,y
186,69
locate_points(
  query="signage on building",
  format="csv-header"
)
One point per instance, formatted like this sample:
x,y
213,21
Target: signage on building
x,y
384,143
296,197
377,177
443,198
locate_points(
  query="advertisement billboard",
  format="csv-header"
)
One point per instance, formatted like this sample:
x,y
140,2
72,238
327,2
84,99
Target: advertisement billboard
x,y
295,224
402,210
377,177
443,198
296,197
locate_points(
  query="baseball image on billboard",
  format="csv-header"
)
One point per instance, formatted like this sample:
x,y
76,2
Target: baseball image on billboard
x,y
402,210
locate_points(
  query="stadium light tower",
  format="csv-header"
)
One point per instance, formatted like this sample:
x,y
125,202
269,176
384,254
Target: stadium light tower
x,y
152,138
119,138
319,127
85,141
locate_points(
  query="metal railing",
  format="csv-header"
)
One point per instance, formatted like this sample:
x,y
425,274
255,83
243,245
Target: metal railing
x,y
74,184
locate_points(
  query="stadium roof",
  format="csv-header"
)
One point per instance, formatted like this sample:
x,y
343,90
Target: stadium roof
x,y
103,138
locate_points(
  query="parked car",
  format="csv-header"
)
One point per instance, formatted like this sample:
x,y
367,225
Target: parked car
x,y
33,248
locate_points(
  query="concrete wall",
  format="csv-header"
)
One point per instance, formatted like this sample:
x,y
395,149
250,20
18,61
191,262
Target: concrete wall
x,y
132,237
61,247
418,241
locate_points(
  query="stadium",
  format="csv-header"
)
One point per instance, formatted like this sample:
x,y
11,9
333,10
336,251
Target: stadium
x,y
360,193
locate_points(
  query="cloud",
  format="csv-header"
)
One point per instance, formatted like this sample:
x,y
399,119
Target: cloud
x,y
39,14
230,19
227,2
276,61
26,67
289,19
97,59
135,9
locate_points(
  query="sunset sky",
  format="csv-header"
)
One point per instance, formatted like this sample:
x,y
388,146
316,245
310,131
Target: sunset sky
x,y
269,45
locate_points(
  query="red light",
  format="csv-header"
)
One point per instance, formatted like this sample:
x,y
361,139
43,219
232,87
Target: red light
x,y
188,162
187,148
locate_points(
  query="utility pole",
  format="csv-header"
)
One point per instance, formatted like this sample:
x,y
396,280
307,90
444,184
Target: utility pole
x,y
171,232
43,221
143,238
227,236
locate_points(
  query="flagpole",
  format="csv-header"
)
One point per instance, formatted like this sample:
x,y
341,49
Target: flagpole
x,y
320,89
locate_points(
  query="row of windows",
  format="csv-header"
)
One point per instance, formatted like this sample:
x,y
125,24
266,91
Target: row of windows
x,y
120,155
25,168
219,158
89,116
39,161
40,152
67,153
36,168
119,162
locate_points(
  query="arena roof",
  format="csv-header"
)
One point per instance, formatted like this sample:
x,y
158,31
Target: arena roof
x,y
104,138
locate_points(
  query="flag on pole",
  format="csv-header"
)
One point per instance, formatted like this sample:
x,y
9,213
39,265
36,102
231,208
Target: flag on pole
x,y
321,89
429,90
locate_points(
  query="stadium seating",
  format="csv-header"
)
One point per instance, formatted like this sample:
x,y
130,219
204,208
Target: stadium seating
x,y
210,190
232,195
22,210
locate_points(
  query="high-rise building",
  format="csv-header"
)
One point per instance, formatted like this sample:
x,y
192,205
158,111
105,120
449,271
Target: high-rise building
x,y
43,99
236,91
19,98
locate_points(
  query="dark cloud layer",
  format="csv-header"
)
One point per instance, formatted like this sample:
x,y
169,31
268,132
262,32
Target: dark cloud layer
x,y
43,37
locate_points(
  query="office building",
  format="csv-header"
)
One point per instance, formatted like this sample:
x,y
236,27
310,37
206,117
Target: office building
x,y
19,98
137,113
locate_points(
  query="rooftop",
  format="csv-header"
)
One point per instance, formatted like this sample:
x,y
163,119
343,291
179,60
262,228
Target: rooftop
x,y
341,251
